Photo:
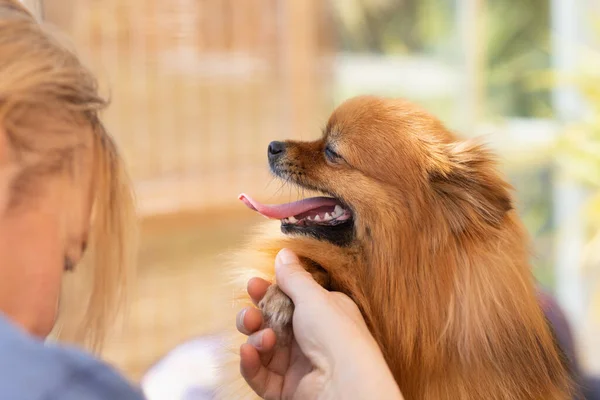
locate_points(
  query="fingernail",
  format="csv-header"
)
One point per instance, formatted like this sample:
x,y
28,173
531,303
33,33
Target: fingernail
x,y
240,319
256,340
286,256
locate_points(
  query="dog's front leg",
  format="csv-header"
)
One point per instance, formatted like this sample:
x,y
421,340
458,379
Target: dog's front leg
x,y
278,308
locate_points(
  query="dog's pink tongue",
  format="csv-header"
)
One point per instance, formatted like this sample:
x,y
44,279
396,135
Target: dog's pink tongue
x,y
281,211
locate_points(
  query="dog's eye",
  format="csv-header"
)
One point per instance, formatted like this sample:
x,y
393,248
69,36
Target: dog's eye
x,y
331,155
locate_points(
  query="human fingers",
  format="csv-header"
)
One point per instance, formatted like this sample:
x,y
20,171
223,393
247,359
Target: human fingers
x,y
263,340
257,287
256,374
294,280
249,320
276,359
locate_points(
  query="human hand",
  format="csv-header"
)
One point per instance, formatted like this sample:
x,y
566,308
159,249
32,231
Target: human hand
x,y
332,354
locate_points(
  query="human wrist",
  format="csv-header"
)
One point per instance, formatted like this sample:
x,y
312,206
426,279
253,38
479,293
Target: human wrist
x,y
362,373
364,379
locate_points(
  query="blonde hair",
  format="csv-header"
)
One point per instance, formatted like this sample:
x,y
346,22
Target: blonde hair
x,y
47,99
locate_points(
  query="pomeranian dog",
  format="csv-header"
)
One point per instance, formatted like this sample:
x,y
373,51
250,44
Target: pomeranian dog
x,y
419,229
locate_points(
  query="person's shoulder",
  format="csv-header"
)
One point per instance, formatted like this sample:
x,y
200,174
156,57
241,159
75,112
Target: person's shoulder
x,y
32,370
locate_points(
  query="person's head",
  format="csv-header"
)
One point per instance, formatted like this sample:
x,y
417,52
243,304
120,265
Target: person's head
x,y
63,190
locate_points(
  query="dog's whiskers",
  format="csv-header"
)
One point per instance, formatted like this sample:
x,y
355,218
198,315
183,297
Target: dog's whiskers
x,y
281,187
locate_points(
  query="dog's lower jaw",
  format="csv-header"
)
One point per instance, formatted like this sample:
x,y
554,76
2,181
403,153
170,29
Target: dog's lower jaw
x,y
342,235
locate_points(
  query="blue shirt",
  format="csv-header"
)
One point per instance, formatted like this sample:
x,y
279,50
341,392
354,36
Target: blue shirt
x,y
33,370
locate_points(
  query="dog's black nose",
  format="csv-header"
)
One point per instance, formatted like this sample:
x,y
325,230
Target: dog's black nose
x,y
276,149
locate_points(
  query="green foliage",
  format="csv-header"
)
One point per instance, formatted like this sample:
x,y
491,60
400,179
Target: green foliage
x,y
532,180
579,147
392,26
518,43
579,156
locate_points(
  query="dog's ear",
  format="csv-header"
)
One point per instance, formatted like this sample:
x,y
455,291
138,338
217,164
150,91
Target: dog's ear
x,y
468,186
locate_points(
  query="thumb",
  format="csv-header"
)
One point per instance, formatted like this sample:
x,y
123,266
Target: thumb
x,y
293,279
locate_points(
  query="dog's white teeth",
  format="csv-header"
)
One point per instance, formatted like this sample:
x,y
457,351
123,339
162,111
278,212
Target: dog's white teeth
x,y
309,218
292,220
337,211
344,217
317,217
327,217
285,220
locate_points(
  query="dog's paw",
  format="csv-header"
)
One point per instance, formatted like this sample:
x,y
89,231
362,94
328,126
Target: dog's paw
x,y
278,309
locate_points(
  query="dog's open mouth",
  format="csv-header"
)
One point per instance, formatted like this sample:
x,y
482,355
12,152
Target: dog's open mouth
x,y
323,218
314,211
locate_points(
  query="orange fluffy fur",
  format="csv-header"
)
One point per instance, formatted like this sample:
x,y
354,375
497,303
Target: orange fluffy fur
x,y
439,263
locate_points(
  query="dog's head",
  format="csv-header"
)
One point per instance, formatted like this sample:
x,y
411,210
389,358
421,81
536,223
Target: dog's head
x,y
440,265
385,162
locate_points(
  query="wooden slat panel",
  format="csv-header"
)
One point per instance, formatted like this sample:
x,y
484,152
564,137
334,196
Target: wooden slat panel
x,y
199,88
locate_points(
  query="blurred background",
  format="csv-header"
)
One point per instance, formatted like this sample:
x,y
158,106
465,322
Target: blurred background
x,y
200,87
